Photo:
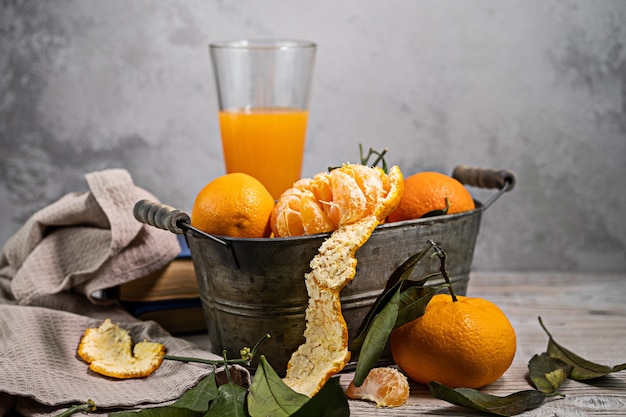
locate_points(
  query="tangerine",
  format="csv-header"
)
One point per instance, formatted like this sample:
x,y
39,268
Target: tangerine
x,y
428,191
465,343
387,387
319,205
235,205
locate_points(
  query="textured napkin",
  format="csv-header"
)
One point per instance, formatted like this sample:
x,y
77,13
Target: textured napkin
x,y
49,272
85,242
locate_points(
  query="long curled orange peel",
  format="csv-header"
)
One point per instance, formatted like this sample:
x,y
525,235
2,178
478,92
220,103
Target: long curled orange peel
x,y
325,350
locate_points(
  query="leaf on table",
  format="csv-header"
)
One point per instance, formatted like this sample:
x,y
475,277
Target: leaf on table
x,y
330,401
547,373
230,401
509,405
269,395
582,368
195,401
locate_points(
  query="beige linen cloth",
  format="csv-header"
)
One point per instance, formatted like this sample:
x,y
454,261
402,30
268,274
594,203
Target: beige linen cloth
x,y
49,272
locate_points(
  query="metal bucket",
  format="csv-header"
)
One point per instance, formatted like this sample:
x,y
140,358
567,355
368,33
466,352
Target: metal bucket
x,y
253,287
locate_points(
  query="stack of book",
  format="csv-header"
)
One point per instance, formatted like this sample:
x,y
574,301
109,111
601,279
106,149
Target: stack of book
x,y
169,296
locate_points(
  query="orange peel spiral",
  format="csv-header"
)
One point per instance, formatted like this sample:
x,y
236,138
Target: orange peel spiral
x,y
360,198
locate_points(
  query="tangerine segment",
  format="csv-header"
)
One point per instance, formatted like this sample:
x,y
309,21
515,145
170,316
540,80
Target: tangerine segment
x,y
387,387
372,184
325,350
349,202
108,350
297,203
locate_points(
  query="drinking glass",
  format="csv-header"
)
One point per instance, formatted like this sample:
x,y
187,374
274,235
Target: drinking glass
x,y
263,88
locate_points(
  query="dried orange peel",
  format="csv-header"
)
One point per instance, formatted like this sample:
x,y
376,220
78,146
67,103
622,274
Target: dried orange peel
x,y
109,351
325,350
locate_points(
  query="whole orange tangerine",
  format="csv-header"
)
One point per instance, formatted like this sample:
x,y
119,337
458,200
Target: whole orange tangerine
x,y
465,343
426,192
235,205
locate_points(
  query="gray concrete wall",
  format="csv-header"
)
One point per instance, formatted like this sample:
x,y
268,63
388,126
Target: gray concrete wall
x,y
537,86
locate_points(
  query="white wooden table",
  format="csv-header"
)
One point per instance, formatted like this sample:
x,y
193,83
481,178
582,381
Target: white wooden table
x,y
585,313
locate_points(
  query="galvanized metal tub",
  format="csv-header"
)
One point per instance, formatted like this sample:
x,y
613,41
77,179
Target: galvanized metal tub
x,y
253,287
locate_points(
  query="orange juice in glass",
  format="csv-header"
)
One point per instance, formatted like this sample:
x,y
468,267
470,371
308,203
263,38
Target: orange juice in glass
x,y
267,143
263,94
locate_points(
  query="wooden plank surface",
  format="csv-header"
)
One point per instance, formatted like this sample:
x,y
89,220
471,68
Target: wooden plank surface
x,y
585,313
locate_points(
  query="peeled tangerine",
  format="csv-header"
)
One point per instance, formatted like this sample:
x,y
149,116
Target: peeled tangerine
x,y
108,351
319,205
354,199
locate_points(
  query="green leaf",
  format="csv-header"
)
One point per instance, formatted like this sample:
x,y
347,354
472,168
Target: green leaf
x,y
438,212
376,339
403,301
412,304
269,395
357,344
377,307
404,306
230,401
583,369
330,401
404,271
194,402
199,397
509,405
548,374
399,275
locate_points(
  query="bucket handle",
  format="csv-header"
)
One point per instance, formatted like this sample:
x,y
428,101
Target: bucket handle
x,y
504,180
169,218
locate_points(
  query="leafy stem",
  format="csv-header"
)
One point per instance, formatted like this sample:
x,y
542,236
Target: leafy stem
x,y
226,363
88,407
247,355
187,359
442,268
380,159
